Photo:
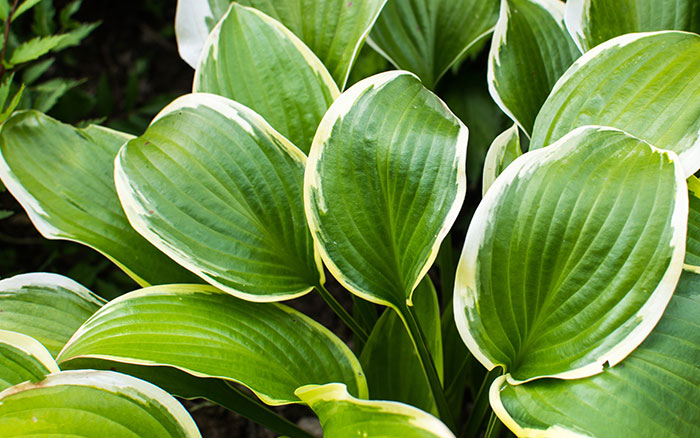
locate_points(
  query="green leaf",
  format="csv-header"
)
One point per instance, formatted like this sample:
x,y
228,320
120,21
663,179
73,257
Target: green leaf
x,y
644,84
212,185
572,256
23,358
36,47
92,404
333,29
692,246
24,7
4,9
76,36
384,184
592,22
653,392
530,51
267,347
390,361
427,36
503,151
63,177
256,61
48,307
47,93
33,72
344,416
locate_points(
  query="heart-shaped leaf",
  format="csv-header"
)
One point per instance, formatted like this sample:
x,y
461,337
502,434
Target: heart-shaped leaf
x,y
692,246
530,50
427,36
572,256
343,415
92,404
384,183
267,347
503,151
47,307
23,358
592,22
256,61
653,392
390,360
212,185
646,84
64,179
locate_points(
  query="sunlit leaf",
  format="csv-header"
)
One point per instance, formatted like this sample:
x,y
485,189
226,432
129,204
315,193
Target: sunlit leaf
x,y
692,248
572,256
503,151
23,358
270,348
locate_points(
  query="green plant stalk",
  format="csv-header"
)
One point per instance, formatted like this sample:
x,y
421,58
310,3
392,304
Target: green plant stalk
x,y
494,428
339,310
7,36
481,405
446,262
427,363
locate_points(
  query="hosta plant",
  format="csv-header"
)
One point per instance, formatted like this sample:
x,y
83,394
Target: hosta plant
x,y
578,287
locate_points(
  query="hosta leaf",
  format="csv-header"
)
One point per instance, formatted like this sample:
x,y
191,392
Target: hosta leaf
x,y
23,358
592,22
270,348
655,391
427,36
644,84
343,415
333,29
572,255
390,360
256,61
48,307
530,50
212,185
384,183
92,404
503,151
692,248
63,177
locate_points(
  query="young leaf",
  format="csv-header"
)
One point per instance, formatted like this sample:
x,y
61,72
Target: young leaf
x,y
653,392
390,361
23,358
384,183
63,177
267,347
646,84
92,404
530,50
34,48
572,256
254,60
592,22
503,151
692,247
427,36
212,185
48,307
343,415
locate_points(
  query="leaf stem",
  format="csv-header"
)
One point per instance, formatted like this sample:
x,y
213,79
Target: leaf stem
x,y
494,428
481,405
7,36
427,363
339,310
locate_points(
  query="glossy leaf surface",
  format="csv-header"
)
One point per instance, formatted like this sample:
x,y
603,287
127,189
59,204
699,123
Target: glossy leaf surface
x,y
572,256
92,404
64,179
258,62
384,183
22,359
530,50
654,392
503,151
427,36
592,22
644,84
692,248
270,348
343,416
212,185
389,358
47,307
